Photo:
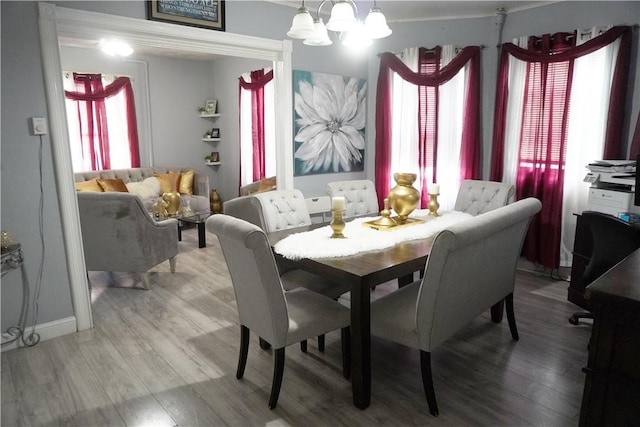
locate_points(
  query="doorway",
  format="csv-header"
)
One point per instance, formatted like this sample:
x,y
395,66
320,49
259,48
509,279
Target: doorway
x,y
58,23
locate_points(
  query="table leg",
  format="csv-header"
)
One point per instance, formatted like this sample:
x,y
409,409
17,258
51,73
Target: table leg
x,y
361,345
497,311
179,232
202,238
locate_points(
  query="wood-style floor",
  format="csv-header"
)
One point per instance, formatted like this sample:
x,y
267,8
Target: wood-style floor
x,y
167,357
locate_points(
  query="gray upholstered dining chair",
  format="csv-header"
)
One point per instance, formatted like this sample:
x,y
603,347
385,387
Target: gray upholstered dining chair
x,y
360,196
476,197
471,267
278,210
282,318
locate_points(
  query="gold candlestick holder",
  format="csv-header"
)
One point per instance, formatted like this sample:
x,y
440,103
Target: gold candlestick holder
x,y
337,224
433,205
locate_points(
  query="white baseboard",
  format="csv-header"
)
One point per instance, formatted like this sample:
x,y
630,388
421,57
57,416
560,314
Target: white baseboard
x,y
47,331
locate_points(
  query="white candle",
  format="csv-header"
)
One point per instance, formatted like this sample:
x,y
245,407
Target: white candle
x,y
434,188
337,203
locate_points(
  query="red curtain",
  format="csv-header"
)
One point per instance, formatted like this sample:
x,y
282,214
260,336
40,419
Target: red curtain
x,y
542,146
470,154
428,64
93,95
258,80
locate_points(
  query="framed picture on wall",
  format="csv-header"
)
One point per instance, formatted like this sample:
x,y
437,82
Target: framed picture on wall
x,y
329,138
204,14
210,106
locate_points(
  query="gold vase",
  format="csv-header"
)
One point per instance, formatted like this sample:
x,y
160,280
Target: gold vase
x,y
215,202
403,197
173,199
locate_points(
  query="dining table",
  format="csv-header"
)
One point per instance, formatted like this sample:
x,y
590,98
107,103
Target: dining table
x,y
362,271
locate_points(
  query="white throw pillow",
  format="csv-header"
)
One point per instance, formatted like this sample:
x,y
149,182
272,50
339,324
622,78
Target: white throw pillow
x,y
154,183
141,190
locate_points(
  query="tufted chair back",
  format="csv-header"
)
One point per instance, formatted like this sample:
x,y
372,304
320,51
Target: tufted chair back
x,y
281,209
360,196
477,197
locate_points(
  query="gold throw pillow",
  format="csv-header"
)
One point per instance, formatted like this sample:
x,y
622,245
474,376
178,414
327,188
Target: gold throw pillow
x,y
113,185
266,184
91,185
186,183
168,182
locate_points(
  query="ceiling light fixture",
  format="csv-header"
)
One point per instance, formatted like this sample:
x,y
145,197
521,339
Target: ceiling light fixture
x,y
353,32
115,47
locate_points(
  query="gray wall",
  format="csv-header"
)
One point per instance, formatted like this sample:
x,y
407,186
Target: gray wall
x,y
177,130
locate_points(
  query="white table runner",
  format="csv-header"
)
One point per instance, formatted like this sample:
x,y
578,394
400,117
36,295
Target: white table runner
x,y
318,244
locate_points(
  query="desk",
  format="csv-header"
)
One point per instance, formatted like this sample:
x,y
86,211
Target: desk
x,y
612,385
362,272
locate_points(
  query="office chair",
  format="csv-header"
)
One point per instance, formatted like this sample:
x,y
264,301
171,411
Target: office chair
x,y
613,240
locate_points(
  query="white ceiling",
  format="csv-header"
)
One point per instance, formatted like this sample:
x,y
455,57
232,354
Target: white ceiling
x,y
394,10
414,10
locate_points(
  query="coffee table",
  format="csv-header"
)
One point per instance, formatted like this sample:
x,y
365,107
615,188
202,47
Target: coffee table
x,y
199,219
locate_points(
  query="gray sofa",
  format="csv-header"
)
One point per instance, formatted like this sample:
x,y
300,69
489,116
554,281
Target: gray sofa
x,y
118,234
199,200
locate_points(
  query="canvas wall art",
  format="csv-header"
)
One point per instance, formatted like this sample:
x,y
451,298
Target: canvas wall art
x,y
329,123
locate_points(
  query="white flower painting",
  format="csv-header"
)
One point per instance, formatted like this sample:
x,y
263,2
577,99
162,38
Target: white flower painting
x,y
330,116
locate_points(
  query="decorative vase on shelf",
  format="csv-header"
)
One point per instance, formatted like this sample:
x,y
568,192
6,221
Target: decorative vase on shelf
x,y
173,199
404,198
215,202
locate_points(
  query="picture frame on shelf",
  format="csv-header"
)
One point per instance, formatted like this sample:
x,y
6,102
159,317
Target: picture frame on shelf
x,y
215,156
210,106
215,133
208,14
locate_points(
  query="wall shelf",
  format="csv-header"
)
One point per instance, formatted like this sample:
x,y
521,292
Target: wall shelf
x,y
209,115
211,139
213,163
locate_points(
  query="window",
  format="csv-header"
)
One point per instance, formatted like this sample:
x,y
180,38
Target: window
x,y
257,127
427,119
556,111
102,122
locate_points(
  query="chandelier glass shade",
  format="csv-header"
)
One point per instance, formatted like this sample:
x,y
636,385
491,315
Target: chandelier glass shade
x,y
343,20
302,26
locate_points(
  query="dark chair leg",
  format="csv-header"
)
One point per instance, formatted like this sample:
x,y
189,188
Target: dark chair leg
x,y
278,370
427,382
303,346
244,350
346,352
575,319
321,343
264,344
511,318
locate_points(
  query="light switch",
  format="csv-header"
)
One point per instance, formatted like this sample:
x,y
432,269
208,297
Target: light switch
x,y
39,125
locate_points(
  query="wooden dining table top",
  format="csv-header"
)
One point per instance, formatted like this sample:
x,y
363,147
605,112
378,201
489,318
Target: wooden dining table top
x,y
370,267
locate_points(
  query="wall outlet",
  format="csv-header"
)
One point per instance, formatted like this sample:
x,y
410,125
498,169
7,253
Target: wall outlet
x,y
39,126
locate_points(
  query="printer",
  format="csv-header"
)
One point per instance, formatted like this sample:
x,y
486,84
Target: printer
x,y
612,187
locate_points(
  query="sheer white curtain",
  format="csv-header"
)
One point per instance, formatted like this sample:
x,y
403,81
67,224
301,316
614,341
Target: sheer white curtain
x,y
450,112
517,72
404,139
246,131
590,93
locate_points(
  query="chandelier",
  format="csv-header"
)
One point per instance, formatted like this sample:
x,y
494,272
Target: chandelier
x,y
353,32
